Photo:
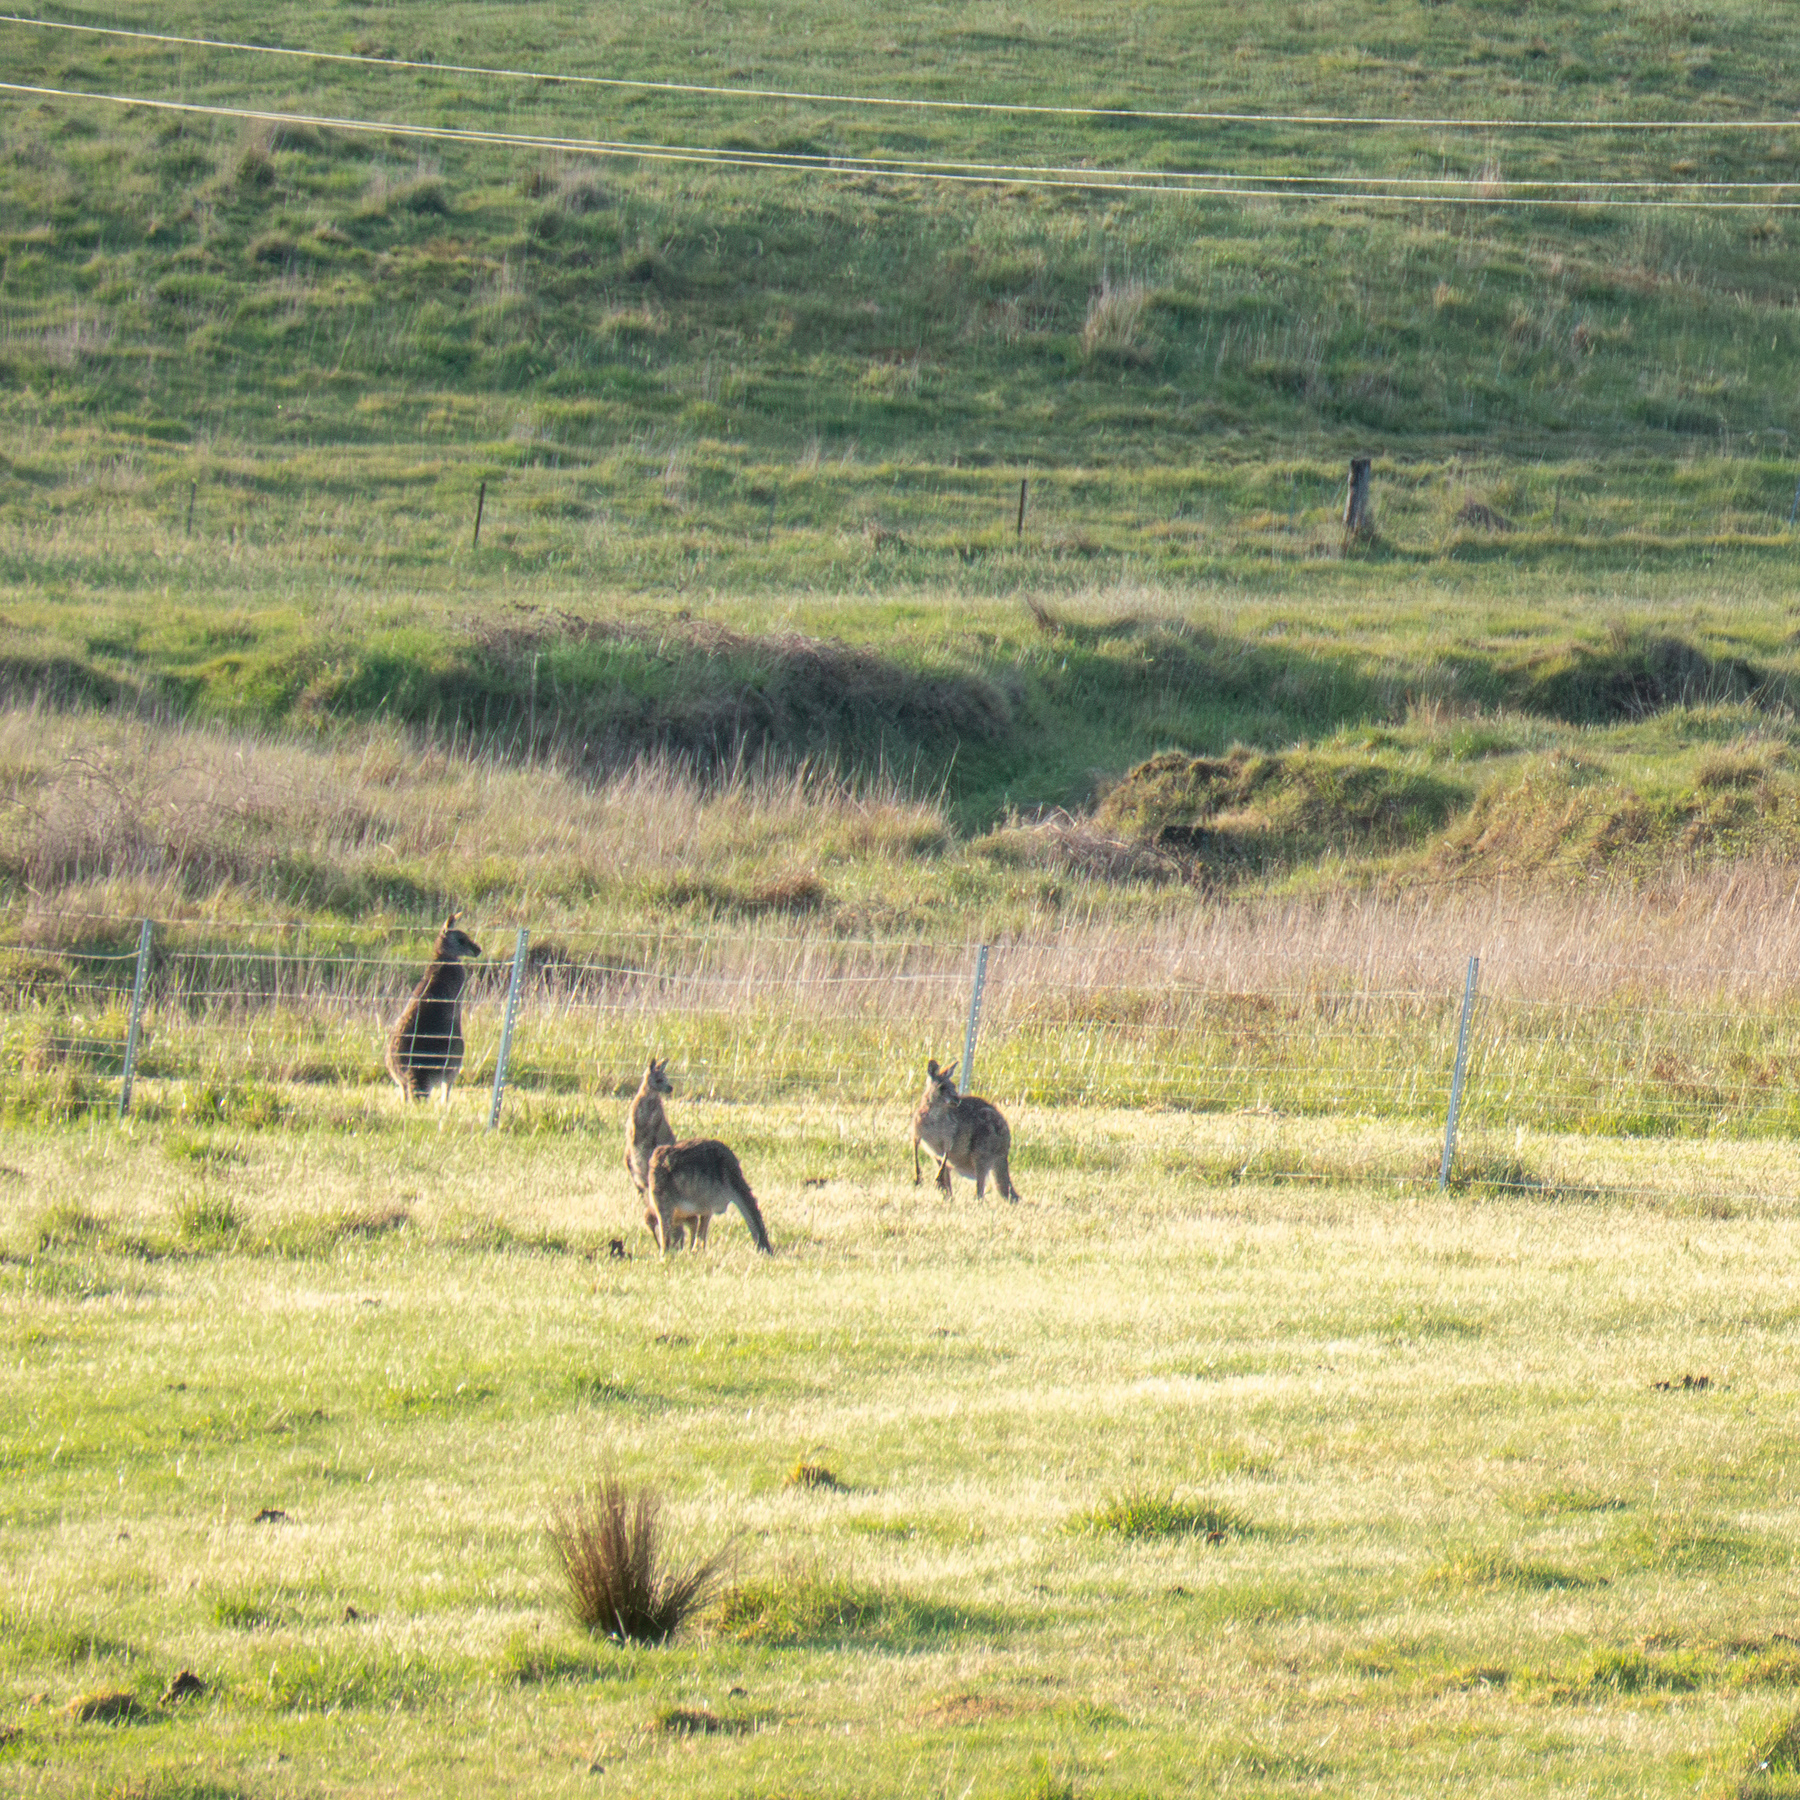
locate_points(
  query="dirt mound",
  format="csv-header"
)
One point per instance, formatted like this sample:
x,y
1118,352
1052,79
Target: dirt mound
x,y
1250,810
599,691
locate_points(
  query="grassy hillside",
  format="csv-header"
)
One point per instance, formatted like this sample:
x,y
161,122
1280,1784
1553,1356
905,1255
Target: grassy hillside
x,y
752,440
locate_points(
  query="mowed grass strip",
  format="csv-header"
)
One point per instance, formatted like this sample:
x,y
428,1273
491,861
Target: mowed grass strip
x,y
314,1465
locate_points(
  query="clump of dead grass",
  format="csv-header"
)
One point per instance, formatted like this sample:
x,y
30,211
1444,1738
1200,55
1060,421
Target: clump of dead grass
x,y
608,1540
1115,317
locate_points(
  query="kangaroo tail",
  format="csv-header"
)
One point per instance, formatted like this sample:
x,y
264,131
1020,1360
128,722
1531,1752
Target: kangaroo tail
x,y
745,1202
1007,1190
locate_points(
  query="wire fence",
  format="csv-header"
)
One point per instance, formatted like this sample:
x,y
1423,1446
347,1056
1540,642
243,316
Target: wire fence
x,y
241,1025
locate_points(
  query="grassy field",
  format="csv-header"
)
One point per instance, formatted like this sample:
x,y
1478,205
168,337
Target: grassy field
x,y
1467,1532
871,566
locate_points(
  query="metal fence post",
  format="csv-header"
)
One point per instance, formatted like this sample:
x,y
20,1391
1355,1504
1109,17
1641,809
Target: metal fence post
x,y
966,1073
137,1015
1456,1080
512,1008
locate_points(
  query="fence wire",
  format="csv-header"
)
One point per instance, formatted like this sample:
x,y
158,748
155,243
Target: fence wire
x,y
238,1023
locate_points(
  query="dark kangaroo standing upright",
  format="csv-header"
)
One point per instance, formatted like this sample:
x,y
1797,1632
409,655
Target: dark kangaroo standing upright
x,y
425,1048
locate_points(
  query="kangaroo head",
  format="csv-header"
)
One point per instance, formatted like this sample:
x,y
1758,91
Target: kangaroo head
x,y
656,1077
453,943
939,1083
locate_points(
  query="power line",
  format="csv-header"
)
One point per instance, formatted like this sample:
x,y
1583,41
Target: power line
x,y
895,168
902,101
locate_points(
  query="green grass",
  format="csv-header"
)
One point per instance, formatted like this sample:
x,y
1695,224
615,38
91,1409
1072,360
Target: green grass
x,y
758,708
720,412
1430,1578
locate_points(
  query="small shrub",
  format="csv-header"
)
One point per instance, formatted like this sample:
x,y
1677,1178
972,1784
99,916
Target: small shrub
x,y
1147,1515
608,1540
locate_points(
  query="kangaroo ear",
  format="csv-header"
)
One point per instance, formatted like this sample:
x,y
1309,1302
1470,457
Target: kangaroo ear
x,y
931,1067
450,919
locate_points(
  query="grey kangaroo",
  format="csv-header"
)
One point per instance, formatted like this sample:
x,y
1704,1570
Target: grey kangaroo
x,y
425,1048
689,1183
646,1131
964,1132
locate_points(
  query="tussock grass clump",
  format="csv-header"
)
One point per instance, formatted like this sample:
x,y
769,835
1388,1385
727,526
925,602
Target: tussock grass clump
x,y
208,1221
693,1721
1774,1765
249,1609
68,1224
608,1540
1635,1672
104,1706
1043,1782
1154,1515
815,1475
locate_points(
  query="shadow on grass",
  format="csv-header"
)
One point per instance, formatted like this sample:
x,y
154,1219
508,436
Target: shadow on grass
x,y
1474,1570
808,1610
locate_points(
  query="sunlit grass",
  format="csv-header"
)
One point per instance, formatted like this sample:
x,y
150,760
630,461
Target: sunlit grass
x,y
1404,1457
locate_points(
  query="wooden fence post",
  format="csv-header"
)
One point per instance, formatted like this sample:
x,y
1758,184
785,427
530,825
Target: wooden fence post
x,y
1359,518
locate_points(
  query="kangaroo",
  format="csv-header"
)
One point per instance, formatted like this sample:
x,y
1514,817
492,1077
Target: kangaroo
x,y
689,1183
964,1133
647,1126
646,1131
425,1048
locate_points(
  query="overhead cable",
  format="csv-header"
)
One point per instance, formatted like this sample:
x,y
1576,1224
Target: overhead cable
x,y
800,95
895,168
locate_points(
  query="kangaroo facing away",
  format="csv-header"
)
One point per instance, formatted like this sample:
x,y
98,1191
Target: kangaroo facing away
x,y
646,1131
689,1183
964,1132
425,1048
